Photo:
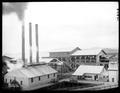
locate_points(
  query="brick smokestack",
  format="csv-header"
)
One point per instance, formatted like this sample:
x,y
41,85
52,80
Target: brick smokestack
x,y
30,41
37,45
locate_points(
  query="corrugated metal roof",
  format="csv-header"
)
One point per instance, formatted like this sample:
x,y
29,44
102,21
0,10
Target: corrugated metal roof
x,y
46,69
82,69
87,52
32,71
13,74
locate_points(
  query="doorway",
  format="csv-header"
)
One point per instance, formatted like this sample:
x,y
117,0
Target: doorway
x,y
96,77
112,79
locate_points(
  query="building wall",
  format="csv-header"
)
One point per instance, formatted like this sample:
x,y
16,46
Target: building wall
x,y
43,80
89,76
113,74
82,60
18,79
26,82
113,71
87,60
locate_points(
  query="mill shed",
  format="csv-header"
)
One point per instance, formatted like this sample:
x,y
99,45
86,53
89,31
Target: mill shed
x,y
32,76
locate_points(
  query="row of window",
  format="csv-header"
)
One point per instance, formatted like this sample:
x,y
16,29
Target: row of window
x,y
48,76
87,61
84,57
21,82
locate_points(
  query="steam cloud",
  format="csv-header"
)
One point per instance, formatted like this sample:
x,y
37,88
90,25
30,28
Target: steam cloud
x,y
18,8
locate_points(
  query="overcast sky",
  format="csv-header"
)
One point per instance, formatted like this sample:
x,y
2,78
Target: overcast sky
x,y
64,24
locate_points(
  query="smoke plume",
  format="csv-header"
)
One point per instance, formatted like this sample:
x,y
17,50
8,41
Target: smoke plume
x,y
17,7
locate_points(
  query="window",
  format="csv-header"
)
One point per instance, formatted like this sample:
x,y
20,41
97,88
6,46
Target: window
x,y
31,79
48,76
10,80
39,78
21,82
88,76
54,74
112,79
101,64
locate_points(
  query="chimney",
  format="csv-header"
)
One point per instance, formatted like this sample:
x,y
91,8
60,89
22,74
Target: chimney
x,y
30,41
23,46
37,45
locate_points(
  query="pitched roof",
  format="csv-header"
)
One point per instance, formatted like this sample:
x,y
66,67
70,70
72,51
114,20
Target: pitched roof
x,y
82,69
32,71
111,51
67,49
87,52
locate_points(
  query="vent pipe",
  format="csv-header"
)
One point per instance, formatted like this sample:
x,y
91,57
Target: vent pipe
x,y
37,45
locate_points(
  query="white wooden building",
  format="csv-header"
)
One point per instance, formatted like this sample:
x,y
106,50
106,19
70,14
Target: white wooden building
x,y
89,72
113,69
113,72
32,76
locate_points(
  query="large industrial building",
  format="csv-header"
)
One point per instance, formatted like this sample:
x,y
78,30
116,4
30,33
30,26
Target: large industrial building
x,y
63,54
89,57
31,75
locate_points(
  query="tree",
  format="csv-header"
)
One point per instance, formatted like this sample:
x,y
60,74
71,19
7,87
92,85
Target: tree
x,y
15,85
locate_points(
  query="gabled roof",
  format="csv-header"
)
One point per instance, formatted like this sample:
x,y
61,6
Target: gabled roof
x,y
68,49
110,51
32,71
87,52
6,57
82,69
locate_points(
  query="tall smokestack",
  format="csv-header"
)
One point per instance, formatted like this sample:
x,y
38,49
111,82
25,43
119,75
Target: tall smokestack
x,y
30,41
37,45
23,45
